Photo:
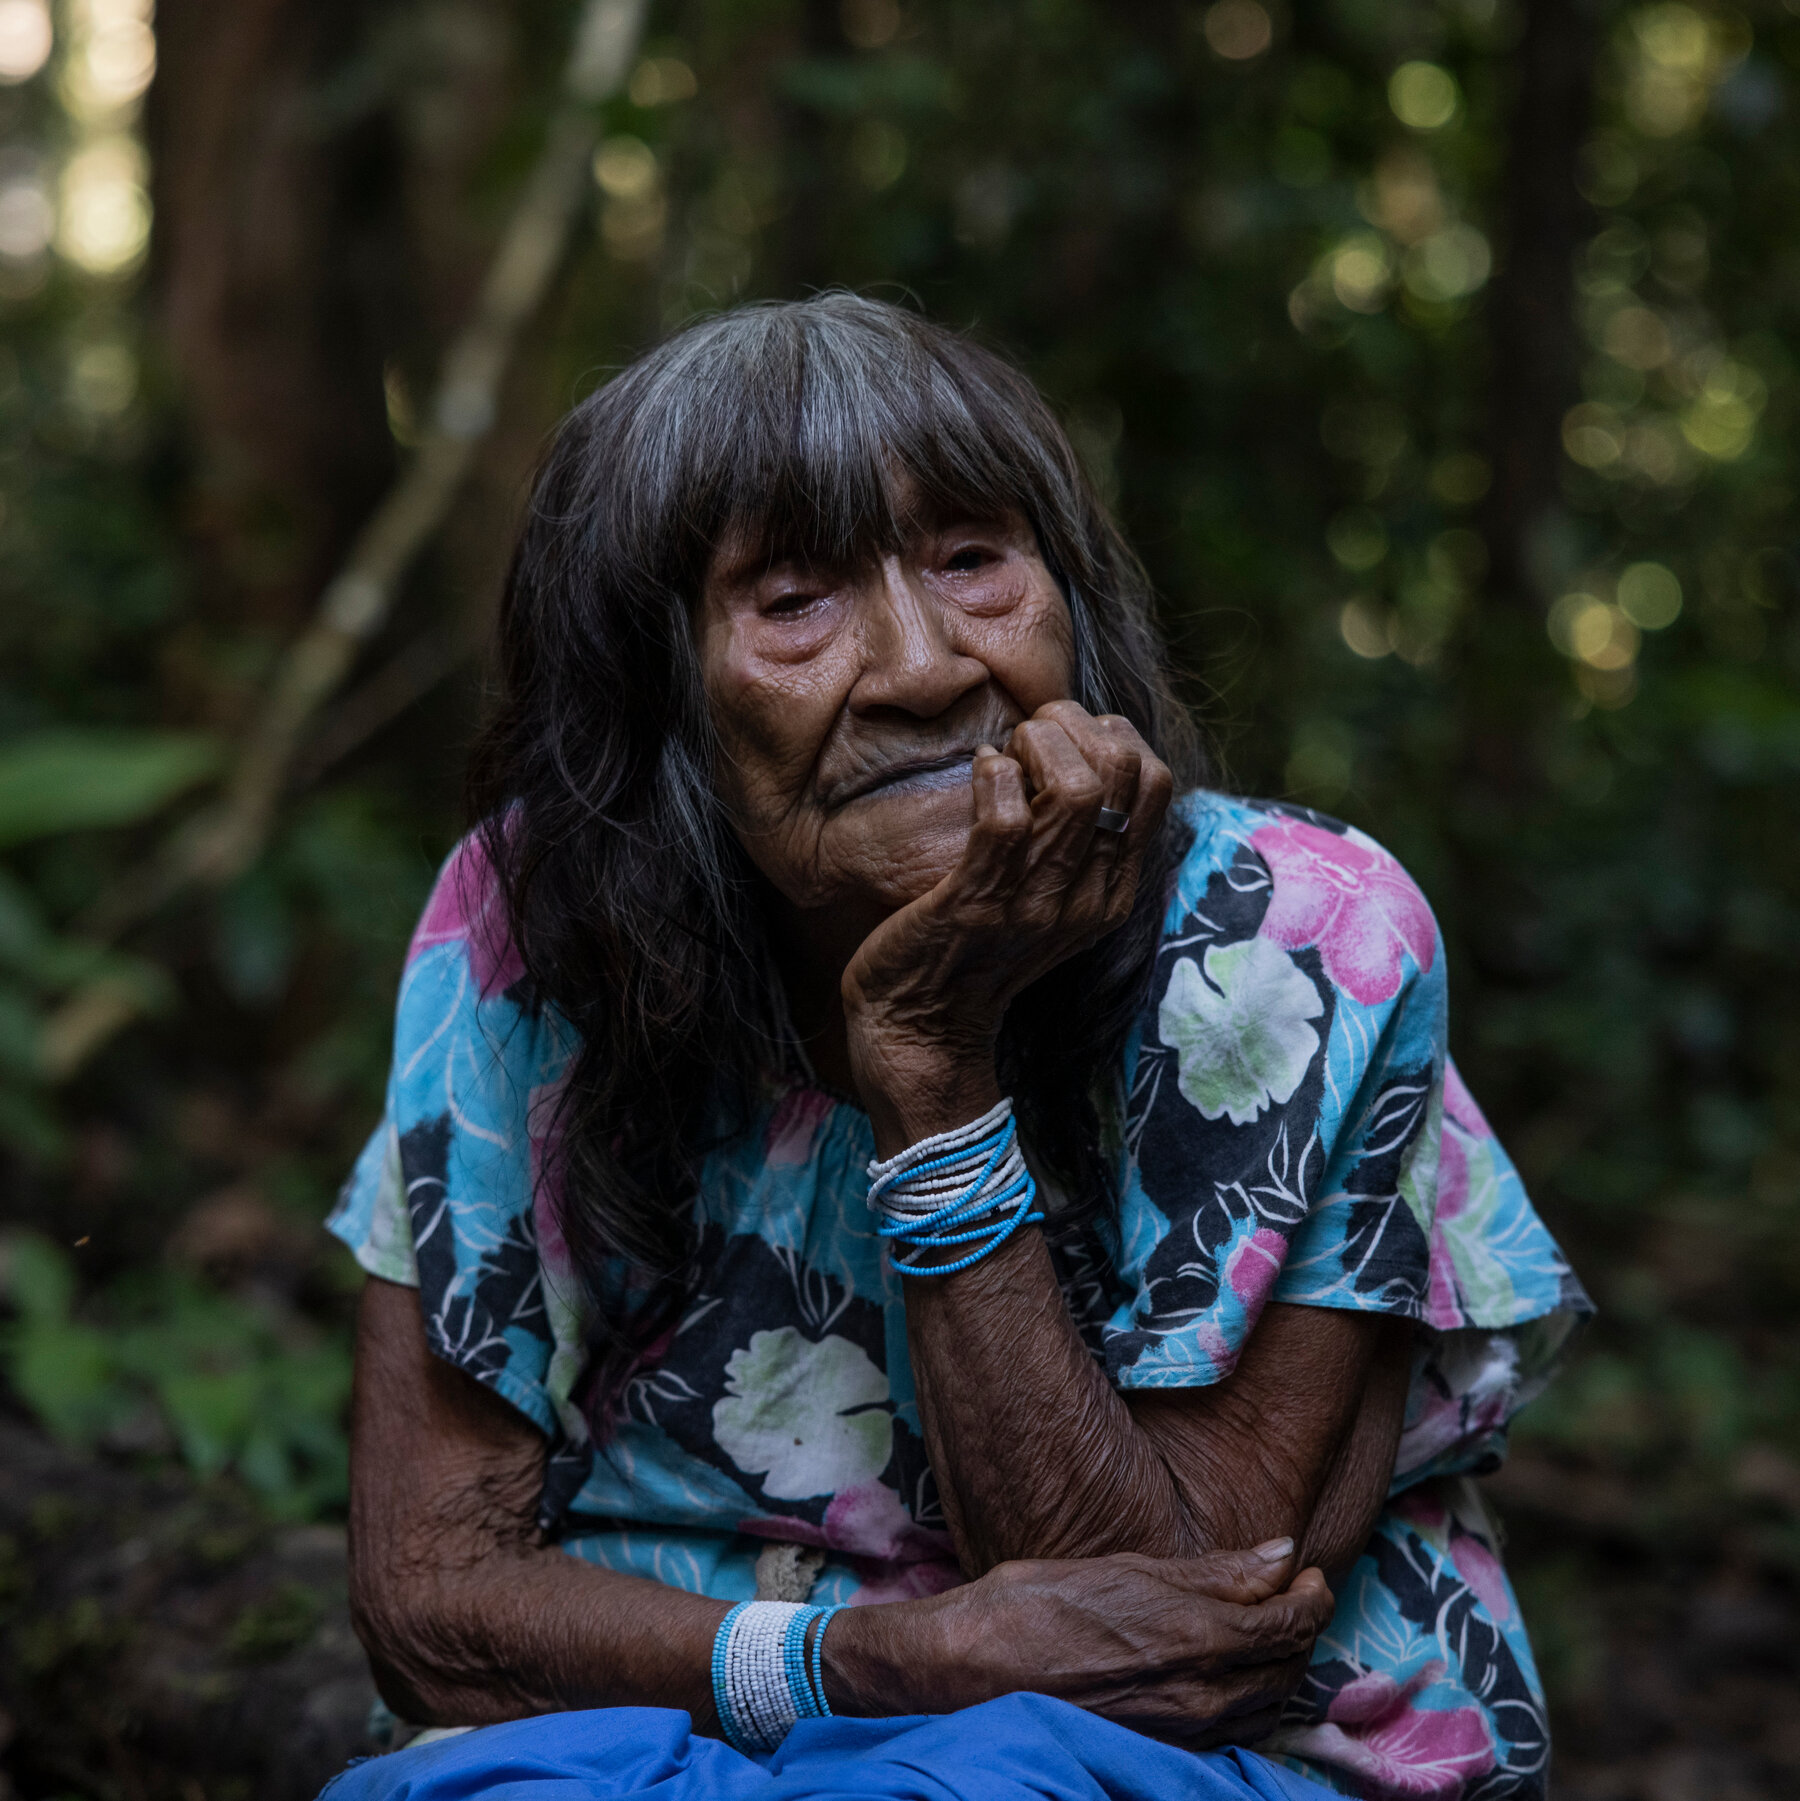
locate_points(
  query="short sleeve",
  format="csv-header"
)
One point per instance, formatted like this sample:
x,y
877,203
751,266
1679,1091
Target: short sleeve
x,y
1295,1131
370,1216
443,1197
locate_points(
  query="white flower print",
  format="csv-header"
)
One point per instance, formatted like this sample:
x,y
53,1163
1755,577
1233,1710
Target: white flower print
x,y
810,1418
1240,1031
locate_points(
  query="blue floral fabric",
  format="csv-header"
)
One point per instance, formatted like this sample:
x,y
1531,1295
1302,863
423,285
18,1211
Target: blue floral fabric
x,y
1293,1131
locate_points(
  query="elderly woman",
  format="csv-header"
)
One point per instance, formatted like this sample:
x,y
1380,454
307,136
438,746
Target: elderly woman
x,y
894,1201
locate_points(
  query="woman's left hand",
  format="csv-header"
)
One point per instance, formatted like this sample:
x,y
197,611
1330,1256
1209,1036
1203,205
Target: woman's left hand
x,y
1038,881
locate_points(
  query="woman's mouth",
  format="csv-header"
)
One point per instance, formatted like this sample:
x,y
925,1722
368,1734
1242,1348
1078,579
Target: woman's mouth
x,y
926,776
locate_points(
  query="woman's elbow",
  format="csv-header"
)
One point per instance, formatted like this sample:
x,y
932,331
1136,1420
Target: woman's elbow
x,y
407,1619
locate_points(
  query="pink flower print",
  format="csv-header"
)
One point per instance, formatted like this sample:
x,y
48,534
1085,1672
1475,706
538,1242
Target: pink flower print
x,y
1376,1696
1252,1267
1351,899
1376,1729
794,1127
1213,1345
1444,1307
1459,1103
1465,1169
1453,1175
543,1121
868,1520
466,904
1480,1569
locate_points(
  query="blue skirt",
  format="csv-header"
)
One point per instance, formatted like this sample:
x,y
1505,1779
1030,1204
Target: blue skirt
x,y
1019,1748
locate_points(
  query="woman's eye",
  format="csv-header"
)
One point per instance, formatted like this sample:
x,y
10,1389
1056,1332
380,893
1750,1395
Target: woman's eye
x,y
786,605
965,561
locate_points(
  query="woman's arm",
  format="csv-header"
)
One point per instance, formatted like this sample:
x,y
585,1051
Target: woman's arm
x,y
1035,1453
469,1617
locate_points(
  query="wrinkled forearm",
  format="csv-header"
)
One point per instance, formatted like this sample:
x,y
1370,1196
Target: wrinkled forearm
x,y
468,1617
467,1637
1037,1456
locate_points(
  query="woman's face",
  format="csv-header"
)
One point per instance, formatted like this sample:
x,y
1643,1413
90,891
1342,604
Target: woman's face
x,y
849,702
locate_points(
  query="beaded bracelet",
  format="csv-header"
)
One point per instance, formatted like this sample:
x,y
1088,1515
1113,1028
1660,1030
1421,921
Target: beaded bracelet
x,y
761,1678
968,1186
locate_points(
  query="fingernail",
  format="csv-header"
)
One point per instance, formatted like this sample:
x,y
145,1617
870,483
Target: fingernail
x,y
1274,1550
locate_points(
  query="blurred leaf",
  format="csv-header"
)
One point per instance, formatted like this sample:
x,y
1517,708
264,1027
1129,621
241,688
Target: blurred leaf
x,y
68,780
66,1375
19,1032
36,1277
241,1388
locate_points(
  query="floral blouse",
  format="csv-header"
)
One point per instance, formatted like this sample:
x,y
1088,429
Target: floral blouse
x,y
1294,1132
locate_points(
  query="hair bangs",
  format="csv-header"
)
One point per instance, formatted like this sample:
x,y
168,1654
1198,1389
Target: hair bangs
x,y
824,434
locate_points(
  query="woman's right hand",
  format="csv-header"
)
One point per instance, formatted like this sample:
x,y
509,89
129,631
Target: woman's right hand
x,y
1194,1650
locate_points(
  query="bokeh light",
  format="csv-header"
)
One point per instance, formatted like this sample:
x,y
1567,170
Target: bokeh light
x,y
1403,197
625,168
112,60
1448,265
1680,58
1357,538
1593,435
27,214
633,219
26,39
1650,596
661,81
1721,420
1423,96
1239,30
104,220
103,379
1636,337
1364,629
1361,273
1589,630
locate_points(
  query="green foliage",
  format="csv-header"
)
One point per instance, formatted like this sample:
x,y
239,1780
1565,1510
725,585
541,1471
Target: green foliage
x,y
71,781
238,1387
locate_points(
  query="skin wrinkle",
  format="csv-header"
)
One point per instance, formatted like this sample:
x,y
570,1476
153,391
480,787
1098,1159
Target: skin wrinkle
x,y
1101,1530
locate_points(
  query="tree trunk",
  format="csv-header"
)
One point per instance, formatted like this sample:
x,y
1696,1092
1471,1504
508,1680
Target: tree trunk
x,y
1534,344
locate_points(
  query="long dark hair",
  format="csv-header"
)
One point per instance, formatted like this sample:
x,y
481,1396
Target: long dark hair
x,y
627,896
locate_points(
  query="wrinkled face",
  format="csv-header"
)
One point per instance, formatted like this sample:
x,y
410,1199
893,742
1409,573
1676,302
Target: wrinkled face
x,y
849,702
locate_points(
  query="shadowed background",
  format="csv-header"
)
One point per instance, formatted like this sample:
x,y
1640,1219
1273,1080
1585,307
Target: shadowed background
x,y
1439,356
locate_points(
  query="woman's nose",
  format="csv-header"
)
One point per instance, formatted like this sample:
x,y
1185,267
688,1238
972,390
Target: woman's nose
x,y
911,660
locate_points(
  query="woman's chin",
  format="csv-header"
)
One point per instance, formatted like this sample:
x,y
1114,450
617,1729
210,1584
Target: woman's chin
x,y
908,839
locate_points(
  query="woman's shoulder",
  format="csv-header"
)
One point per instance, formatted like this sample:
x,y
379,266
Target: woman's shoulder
x,y
464,923
1301,880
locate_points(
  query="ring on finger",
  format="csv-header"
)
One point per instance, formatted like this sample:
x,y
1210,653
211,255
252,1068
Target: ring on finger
x,y
1110,819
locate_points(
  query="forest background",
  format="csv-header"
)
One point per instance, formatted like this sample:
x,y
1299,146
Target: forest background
x,y
1439,356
